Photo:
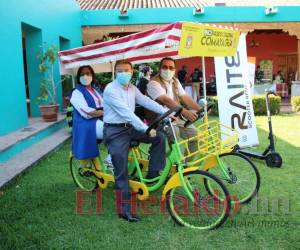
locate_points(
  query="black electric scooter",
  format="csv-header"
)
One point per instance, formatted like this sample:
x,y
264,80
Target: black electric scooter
x,y
272,158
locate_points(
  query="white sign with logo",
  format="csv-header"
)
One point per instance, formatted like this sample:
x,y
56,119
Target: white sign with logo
x,y
234,94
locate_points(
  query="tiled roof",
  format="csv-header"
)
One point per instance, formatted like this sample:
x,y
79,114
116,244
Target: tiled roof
x,y
133,4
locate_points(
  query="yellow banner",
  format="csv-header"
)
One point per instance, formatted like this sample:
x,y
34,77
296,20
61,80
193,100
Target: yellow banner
x,y
201,40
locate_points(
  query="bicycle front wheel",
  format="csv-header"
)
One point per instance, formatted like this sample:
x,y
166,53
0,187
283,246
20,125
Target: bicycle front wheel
x,y
240,176
206,211
83,173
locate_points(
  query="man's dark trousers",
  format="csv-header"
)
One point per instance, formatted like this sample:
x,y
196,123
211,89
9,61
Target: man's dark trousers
x,y
117,140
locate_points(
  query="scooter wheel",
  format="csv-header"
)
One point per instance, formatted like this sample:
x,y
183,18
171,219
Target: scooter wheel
x,y
274,160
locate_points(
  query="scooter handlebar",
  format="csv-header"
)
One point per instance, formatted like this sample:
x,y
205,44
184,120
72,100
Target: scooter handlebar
x,y
270,93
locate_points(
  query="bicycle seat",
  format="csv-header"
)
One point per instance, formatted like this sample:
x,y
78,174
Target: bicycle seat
x,y
134,144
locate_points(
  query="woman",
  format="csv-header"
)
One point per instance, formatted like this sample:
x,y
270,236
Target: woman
x,y
144,79
87,115
196,78
142,86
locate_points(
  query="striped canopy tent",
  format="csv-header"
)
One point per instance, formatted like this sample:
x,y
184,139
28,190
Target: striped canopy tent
x,y
141,47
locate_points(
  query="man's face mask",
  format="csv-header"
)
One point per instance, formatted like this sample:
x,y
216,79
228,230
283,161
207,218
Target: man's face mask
x,y
123,78
167,74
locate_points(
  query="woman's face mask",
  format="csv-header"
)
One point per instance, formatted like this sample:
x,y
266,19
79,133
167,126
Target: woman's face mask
x,y
123,78
86,80
167,74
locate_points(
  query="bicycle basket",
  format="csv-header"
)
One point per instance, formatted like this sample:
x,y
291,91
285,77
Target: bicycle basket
x,y
212,138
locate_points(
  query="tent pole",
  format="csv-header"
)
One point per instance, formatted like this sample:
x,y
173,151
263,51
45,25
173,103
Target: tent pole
x,y
204,86
73,80
112,71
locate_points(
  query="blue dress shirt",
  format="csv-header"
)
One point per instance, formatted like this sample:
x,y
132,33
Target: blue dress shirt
x,y
119,105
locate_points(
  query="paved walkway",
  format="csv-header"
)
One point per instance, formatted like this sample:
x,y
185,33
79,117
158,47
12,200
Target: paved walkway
x,y
35,125
28,157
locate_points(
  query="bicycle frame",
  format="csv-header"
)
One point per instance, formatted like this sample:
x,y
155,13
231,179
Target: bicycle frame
x,y
174,158
206,158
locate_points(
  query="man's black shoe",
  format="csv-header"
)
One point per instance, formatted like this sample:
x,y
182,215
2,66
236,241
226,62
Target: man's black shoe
x,y
130,217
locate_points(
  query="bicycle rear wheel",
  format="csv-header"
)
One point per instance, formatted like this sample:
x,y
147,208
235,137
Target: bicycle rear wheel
x,y
243,182
82,174
207,211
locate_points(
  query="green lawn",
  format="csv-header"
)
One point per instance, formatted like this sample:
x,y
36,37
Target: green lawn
x,y
38,209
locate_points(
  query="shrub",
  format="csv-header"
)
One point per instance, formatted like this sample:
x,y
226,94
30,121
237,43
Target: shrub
x,y
259,105
295,102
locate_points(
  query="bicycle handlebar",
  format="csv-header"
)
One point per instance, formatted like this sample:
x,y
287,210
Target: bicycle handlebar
x,y
157,121
200,113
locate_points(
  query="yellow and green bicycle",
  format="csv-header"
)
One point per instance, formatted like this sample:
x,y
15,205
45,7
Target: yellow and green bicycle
x,y
195,198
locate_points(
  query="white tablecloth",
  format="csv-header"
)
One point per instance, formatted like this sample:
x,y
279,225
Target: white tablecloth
x,y
295,90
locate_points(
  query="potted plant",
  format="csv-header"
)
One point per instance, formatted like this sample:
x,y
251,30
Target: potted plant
x,y
47,98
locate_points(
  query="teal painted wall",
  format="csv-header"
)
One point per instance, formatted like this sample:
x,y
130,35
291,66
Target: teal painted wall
x,y
33,42
167,15
46,21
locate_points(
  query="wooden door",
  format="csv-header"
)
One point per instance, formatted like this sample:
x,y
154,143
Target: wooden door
x,y
282,65
288,64
292,66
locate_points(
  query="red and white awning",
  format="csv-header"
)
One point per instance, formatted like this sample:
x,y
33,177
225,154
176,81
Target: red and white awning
x,y
145,46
